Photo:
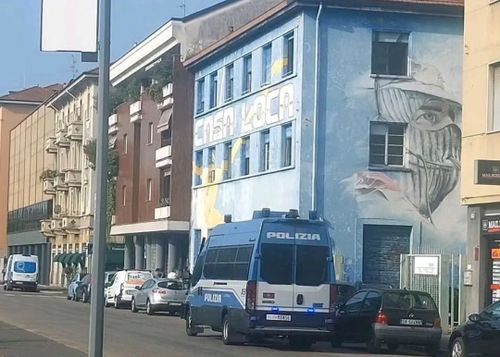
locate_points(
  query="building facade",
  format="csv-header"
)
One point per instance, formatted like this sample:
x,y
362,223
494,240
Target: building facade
x,y
349,110
154,139
72,186
30,167
14,107
481,152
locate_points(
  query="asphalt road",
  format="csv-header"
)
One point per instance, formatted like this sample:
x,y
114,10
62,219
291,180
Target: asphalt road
x,y
49,324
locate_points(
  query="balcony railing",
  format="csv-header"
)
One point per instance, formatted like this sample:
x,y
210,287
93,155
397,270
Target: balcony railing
x,y
162,212
60,184
135,110
50,145
167,99
87,221
46,227
75,131
56,224
73,178
61,139
113,124
164,156
71,223
48,186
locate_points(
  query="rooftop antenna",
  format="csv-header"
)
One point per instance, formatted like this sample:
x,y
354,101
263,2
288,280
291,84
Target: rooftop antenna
x,y
183,7
74,69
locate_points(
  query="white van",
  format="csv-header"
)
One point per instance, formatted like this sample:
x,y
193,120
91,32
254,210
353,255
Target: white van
x,y
21,272
120,291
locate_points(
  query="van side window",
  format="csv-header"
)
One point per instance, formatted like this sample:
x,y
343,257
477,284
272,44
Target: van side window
x,y
228,263
277,263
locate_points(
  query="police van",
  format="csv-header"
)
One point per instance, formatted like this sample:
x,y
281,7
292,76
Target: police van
x,y
270,276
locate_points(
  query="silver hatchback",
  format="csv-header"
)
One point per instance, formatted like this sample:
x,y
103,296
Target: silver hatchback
x,y
160,295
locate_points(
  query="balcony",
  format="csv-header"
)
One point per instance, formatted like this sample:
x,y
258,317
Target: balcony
x,y
135,111
73,178
162,212
168,99
164,156
50,145
48,186
56,224
46,227
71,224
87,221
60,184
75,131
113,124
61,139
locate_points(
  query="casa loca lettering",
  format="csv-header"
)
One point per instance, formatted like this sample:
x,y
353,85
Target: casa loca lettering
x,y
213,298
291,236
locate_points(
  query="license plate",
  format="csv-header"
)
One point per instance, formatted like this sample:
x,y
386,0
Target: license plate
x,y
411,322
175,304
275,317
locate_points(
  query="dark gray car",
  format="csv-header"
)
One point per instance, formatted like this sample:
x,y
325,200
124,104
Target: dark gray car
x,y
160,295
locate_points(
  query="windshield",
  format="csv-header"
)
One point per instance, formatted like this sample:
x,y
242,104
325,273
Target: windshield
x,y
138,276
408,300
492,312
25,267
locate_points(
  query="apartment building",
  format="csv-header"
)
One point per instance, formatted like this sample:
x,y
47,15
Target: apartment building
x,y
349,108
481,152
72,186
14,107
154,137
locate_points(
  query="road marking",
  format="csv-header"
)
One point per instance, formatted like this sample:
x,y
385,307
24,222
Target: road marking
x,y
10,295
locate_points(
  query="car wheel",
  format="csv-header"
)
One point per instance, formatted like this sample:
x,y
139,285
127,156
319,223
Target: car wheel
x,y
117,302
149,308
190,328
228,334
133,308
373,343
392,347
300,342
458,348
336,341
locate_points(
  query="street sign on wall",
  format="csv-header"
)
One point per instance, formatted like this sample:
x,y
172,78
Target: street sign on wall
x,y
487,172
69,25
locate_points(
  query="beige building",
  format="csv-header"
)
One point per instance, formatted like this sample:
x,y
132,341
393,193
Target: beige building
x,y
73,188
481,152
30,167
14,107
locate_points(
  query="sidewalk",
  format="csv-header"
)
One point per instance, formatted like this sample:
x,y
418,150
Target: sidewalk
x,y
16,342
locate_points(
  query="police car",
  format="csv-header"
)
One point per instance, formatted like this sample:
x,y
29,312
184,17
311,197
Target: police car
x,y
271,276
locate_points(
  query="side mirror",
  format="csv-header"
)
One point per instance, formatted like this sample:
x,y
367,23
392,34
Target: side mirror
x,y
474,318
137,287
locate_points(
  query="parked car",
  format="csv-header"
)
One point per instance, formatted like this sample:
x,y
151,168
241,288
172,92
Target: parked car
x,y
342,292
391,317
72,286
478,336
160,295
121,290
84,289
362,285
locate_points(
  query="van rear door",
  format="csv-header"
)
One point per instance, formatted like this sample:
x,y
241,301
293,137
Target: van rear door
x,y
312,269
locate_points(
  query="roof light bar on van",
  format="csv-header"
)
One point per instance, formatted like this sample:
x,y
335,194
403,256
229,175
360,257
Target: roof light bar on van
x,y
313,215
228,218
293,213
266,212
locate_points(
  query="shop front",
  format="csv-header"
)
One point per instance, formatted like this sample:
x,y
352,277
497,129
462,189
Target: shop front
x,y
490,228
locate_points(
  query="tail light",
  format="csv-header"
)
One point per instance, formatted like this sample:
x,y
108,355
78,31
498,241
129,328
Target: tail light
x,y
437,323
382,319
333,297
159,291
251,297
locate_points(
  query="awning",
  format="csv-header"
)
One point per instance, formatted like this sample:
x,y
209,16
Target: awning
x,y
164,122
57,257
65,260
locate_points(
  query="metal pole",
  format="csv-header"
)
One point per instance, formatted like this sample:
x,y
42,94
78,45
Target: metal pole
x,y
99,251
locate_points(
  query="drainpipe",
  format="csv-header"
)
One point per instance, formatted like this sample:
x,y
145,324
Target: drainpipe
x,y
314,199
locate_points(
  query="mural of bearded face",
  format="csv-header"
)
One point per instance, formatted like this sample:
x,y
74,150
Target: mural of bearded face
x,y
433,138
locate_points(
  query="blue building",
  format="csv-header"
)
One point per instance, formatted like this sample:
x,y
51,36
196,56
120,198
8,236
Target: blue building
x,y
352,108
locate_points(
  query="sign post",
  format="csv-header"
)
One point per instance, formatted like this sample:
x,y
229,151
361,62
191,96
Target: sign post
x,y
99,247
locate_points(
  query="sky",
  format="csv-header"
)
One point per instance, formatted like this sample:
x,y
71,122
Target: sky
x,y
23,65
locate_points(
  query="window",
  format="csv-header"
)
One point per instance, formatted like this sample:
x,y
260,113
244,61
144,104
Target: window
x,y
166,138
229,82
492,312
200,96
311,266
264,150
150,133
390,53
229,263
288,53
164,188
213,90
124,195
211,164
276,265
372,302
247,74
286,146
387,144
198,269
228,157
267,52
354,304
25,267
198,170
245,156
125,143
494,122
149,190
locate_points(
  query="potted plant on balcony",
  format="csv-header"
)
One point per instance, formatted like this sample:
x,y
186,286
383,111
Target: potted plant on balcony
x,y
48,175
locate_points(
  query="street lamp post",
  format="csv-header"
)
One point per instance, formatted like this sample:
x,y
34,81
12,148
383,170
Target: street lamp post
x,y
99,247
